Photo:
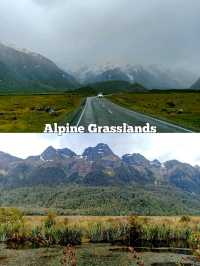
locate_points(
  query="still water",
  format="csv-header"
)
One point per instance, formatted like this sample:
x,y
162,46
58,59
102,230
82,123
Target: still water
x,y
94,255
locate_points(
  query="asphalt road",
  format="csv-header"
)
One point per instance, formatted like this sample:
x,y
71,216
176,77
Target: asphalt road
x,y
103,112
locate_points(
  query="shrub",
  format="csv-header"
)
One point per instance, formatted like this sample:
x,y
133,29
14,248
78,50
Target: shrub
x,y
185,219
10,215
108,232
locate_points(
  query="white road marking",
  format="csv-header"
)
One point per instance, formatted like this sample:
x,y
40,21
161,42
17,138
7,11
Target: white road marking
x,y
134,112
82,113
153,118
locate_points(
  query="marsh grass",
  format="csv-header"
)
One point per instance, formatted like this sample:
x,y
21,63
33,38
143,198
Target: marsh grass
x,y
133,231
108,232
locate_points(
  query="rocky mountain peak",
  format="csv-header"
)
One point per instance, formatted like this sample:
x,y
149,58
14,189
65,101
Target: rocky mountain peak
x,y
66,152
51,154
156,163
135,159
98,152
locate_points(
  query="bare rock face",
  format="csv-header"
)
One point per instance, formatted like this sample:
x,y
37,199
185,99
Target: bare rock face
x,y
97,166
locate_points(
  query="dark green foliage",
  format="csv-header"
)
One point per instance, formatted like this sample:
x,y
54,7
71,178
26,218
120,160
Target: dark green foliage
x,y
116,86
108,87
79,200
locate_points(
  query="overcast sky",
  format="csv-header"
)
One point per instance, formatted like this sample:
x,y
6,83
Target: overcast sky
x,y
79,32
182,147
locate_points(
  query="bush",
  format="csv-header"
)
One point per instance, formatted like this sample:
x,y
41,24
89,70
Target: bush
x,y
171,104
10,215
185,219
108,232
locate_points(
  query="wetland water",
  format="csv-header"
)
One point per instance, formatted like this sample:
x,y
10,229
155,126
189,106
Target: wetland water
x,y
94,255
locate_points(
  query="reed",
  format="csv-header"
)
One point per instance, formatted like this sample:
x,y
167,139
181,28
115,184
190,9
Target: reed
x,y
130,232
108,232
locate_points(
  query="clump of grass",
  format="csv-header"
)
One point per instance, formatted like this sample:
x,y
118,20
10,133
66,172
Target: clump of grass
x,y
185,219
50,220
10,215
108,232
165,233
11,225
58,234
13,228
135,227
157,233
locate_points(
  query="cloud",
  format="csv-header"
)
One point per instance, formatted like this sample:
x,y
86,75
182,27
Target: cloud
x,y
49,3
77,32
182,147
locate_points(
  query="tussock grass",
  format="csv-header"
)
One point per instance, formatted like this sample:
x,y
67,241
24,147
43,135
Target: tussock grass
x,y
29,113
131,231
181,108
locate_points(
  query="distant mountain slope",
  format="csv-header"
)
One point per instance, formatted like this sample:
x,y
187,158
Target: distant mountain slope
x,y
27,71
196,85
115,200
152,77
6,159
97,166
109,87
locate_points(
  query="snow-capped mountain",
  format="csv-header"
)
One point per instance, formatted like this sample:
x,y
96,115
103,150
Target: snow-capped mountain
x,y
96,166
152,77
21,69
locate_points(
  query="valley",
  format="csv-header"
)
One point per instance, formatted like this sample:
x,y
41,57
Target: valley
x,y
35,91
29,113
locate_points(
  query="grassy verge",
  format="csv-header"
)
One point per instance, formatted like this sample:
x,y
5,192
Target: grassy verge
x,y
29,113
181,108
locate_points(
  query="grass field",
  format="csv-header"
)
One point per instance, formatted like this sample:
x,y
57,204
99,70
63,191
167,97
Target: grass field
x,y
182,108
192,221
29,113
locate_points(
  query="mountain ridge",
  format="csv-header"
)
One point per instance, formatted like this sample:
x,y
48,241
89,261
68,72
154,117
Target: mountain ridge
x,y
27,71
96,166
196,85
151,77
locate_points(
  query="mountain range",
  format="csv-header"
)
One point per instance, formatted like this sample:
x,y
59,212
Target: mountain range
x,y
97,166
24,70
151,77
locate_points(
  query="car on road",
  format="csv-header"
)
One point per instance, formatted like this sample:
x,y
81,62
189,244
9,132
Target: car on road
x,y
100,95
